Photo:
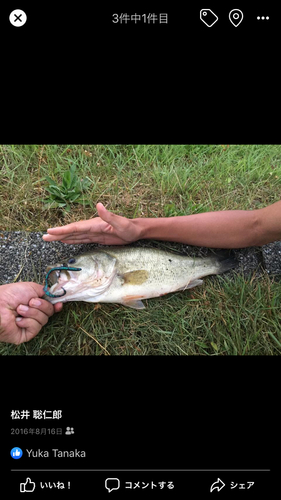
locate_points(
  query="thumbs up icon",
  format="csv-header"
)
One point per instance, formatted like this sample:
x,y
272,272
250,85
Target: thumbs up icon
x,y
28,486
16,453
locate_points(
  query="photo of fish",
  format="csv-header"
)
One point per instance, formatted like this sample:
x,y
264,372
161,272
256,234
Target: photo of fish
x,y
126,275
140,250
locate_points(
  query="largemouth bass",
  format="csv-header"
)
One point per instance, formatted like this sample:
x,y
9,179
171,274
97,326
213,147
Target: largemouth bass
x,y
126,275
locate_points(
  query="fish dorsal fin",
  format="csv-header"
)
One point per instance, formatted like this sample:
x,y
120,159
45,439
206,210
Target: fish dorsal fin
x,y
135,277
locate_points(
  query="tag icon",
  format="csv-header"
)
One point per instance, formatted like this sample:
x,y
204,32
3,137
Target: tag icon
x,y
208,17
236,17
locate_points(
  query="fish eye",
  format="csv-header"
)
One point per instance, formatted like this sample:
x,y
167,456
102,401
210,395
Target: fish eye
x,y
71,261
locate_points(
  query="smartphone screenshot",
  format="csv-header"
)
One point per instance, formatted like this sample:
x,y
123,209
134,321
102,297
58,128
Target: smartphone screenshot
x,y
140,173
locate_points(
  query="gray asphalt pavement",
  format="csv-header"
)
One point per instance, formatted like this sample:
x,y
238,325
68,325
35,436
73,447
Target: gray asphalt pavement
x,y
24,256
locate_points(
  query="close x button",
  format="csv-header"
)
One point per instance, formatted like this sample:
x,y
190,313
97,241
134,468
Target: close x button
x,y
18,18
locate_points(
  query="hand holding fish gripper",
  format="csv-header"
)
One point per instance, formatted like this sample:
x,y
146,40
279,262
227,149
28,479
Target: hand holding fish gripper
x,y
62,268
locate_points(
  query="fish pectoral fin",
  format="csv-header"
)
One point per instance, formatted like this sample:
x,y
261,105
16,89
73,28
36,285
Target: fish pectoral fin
x,y
133,301
135,277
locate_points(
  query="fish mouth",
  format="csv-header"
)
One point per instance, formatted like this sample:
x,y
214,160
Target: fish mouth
x,y
78,283
55,275
60,278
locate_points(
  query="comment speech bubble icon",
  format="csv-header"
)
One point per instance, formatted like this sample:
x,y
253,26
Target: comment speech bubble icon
x,y
112,483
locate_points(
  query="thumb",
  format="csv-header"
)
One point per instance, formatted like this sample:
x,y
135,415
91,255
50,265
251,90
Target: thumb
x,y
38,289
114,220
29,485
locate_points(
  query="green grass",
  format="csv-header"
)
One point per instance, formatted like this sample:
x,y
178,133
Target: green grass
x,y
240,316
228,315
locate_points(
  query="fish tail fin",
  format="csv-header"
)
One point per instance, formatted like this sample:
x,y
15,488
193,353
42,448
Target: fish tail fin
x,y
225,262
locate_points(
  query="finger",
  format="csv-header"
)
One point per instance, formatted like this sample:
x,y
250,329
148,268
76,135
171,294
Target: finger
x,y
74,231
43,305
33,313
69,240
29,328
68,228
73,227
57,233
58,307
49,237
55,237
74,236
116,221
103,213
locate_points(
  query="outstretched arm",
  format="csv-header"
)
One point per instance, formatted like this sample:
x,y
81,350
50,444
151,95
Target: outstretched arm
x,y
223,229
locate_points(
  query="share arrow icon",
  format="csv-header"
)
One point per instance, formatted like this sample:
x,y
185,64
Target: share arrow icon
x,y
218,485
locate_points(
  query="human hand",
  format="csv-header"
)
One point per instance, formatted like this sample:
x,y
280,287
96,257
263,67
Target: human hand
x,y
107,229
28,294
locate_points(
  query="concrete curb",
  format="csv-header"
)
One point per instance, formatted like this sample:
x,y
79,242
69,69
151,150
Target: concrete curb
x,y
24,256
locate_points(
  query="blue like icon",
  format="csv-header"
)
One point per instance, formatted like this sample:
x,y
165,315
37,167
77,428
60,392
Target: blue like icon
x,y
16,453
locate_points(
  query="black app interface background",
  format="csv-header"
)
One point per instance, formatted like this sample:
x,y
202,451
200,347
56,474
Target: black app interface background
x,y
132,425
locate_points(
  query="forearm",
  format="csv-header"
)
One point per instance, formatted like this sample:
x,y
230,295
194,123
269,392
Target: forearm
x,y
226,229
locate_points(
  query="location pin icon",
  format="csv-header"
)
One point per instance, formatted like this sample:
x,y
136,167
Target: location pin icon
x,y
235,17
